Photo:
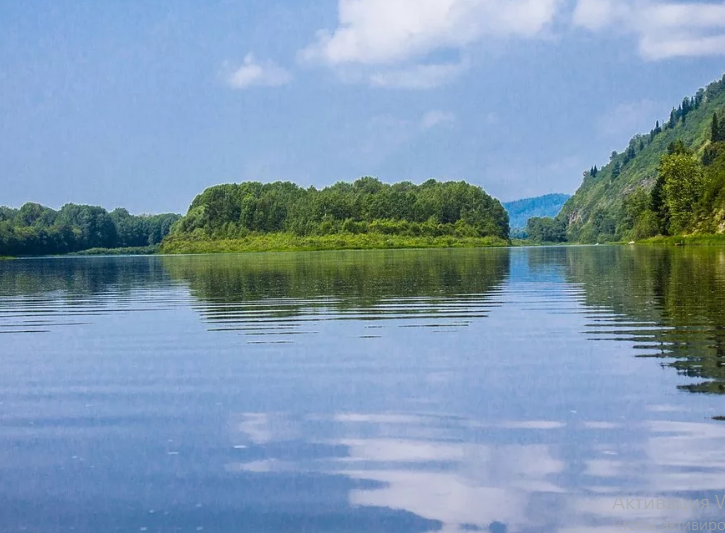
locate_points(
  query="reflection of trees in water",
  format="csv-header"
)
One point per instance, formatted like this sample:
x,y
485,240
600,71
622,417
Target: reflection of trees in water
x,y
345,280
675,296
669,301
82,276
39,294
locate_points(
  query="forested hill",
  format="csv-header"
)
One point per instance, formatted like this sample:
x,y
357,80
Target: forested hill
x,y
367,206
520,211
667,181
37,230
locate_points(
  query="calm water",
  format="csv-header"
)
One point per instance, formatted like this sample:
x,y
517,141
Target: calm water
x,y
401,391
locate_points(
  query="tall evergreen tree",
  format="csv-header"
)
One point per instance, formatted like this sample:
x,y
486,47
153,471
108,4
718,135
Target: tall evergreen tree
x,y
673,119
715,135
659,206
718,129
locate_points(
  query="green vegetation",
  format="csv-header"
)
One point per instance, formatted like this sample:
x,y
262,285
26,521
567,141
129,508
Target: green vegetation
x,y
37,230
253,216
546,230
131,250
685,240
286,242
521,211
688,197
668,182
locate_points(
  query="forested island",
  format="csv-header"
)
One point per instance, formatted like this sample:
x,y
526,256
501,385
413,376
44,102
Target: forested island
x,y
253,216
37,230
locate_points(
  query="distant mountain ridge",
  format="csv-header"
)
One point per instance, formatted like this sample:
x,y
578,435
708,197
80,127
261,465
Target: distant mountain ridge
x,y
520,211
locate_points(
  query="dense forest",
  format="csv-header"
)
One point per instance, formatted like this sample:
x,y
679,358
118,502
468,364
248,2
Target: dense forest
x,y
546,230
365,207
670,181
37,230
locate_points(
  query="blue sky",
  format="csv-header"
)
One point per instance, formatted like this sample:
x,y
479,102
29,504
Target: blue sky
x,y
144,104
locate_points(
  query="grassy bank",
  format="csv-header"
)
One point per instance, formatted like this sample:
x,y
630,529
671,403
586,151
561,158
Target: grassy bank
x,y
285,242
6,258
686,240
136,250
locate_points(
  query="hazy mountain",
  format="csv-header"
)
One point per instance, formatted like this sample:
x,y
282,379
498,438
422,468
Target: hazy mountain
x,y
521,211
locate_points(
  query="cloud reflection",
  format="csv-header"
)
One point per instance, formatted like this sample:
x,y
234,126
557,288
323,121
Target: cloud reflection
x,y
495,482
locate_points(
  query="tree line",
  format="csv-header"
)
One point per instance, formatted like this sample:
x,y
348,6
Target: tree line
x,y
687,194
365,206
614,202
37,230
689,190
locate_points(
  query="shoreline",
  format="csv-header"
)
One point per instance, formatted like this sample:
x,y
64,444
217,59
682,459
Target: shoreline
x,y
133,250
282,243
684,240
279,242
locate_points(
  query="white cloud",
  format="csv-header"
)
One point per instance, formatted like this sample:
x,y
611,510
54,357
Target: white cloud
x,y
417,76
436,118
400,34
261,74
597,14
655,47
665,29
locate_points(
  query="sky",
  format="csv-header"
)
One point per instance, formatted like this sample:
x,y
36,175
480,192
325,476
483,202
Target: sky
x,y
144,104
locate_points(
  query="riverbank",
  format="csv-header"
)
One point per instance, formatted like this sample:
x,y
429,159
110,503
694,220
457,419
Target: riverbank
x,y
134,250
685,240
285,242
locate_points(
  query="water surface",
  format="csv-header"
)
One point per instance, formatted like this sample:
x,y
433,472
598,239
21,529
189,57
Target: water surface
x,y
393,391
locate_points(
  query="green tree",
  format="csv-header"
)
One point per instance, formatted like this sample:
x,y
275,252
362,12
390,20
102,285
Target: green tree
x,y
715,129
717,133
616,170
546,230
682,174
229,211
38,230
